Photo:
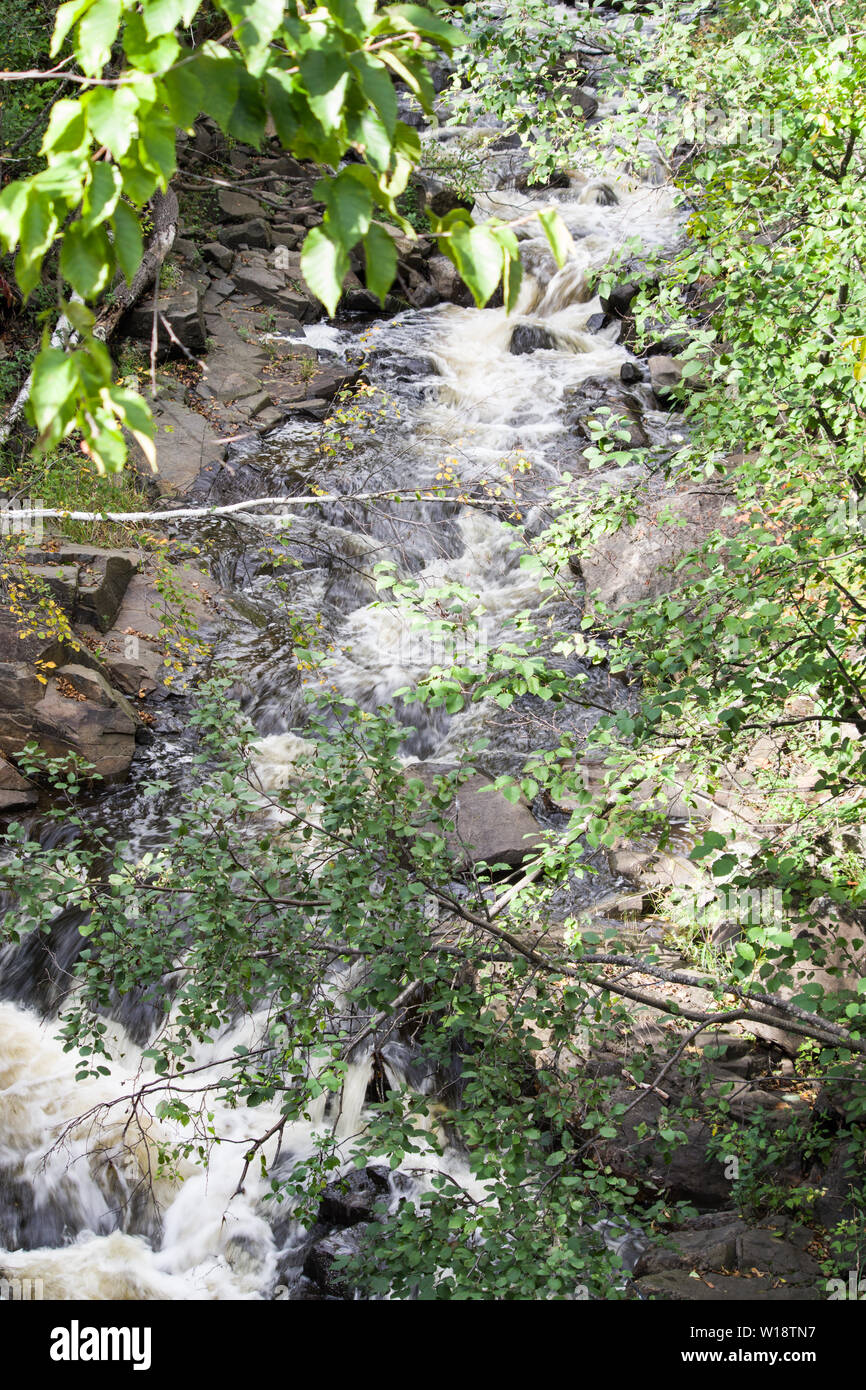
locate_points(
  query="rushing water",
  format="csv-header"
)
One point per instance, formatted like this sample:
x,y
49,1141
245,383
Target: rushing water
x,y
85,1202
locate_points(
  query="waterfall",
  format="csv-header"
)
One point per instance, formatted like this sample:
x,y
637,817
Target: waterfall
x,y
90,1205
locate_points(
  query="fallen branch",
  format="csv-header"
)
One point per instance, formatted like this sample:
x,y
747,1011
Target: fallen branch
x,y
196,513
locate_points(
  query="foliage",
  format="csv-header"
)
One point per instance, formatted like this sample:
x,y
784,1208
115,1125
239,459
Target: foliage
x,y
326,78
352,865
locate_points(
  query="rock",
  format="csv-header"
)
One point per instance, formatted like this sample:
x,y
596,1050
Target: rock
x,y
252,233
489,829
668,373
182,308
289,168
329,380
102,582
685,1172
290,236
132,652
15,791
636,562
238,206
619,300
528,338
601,403
59,578
703,1249
269,287
583,100
187,250
76,711
353,1198
185,443
319,1261
630,372
445,200
221,256
227,386
679,1286
255,405
446,281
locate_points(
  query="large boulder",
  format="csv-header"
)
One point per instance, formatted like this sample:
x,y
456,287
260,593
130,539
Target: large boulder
x,y
181,307
637,562
486,827
75,711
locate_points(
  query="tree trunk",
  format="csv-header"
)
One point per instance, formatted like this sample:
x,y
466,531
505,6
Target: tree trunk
x,y
165,214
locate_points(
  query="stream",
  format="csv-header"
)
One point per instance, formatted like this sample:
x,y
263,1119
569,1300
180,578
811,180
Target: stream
x,y
448,390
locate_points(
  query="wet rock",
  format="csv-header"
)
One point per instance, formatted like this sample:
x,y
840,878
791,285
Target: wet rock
x,y
581,99
102,582
637,561
629,373
601,404
328,381
75,711
353,1198
686,1171
619,300
529,338
319,1264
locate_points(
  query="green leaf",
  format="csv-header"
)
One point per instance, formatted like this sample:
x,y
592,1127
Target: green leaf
x,y
185,94
144,53
349,207
53,392
13,201
368,132
111,115
479,259
85,259
157,145
139,180
255,24
128,246
162,16
248,117
67,15
423,21
377,87
96,33
324,265
102,194
558,235
326,77
67,129
39,226
380,258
